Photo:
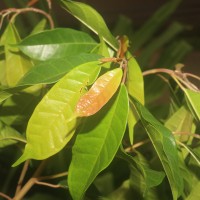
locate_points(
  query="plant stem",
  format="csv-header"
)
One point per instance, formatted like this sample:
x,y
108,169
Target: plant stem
x,y
30,182
134,146
5,196
21,178
24,10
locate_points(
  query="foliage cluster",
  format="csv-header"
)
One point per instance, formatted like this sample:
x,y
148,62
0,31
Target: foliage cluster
x,y
84,117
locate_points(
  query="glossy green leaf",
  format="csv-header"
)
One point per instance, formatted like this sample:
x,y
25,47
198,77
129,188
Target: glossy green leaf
x,y
135,82
135,86
193,100
92,19
16,65
51,71
53,121
56,43
9,135
165,146
97,143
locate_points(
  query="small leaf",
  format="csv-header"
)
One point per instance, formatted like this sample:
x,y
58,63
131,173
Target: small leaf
x,y
165,146
97,143
52,70
100,93
16,65
193,101
135,82
9,135
92,19
53,122
39,27
181,121
56,43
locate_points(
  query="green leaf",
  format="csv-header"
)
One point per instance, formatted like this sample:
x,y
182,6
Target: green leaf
x,y
181,121
132,121
39,27
5,93
97,143
17,109
56,43
92,19
2,73
165,146
135,82
143,179
9,135
16,65
53,121
195,194
135,86
51,71
193,102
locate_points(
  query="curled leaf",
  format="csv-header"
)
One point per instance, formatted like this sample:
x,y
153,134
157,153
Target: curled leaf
x,y
100,93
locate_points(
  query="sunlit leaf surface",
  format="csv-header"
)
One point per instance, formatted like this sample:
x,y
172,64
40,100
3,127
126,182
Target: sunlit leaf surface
x,y
53,122
92,19
56,43
97,143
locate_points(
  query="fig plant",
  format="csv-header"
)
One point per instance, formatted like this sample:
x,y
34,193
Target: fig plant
x,y
74,115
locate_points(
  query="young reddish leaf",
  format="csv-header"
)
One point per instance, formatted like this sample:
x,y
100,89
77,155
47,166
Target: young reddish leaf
x,y
100,93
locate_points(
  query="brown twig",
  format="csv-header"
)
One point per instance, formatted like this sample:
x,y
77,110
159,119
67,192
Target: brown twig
x,y
5,196
30,182
21,178
32,2
18,11
134,146
186,133
47,184
177,75
36,179
192,75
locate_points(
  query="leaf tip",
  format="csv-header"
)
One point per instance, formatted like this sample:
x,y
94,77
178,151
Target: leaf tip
x,y
20,160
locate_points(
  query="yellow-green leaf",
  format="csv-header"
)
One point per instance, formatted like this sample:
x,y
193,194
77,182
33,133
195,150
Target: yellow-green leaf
x,y
53,121
16,65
